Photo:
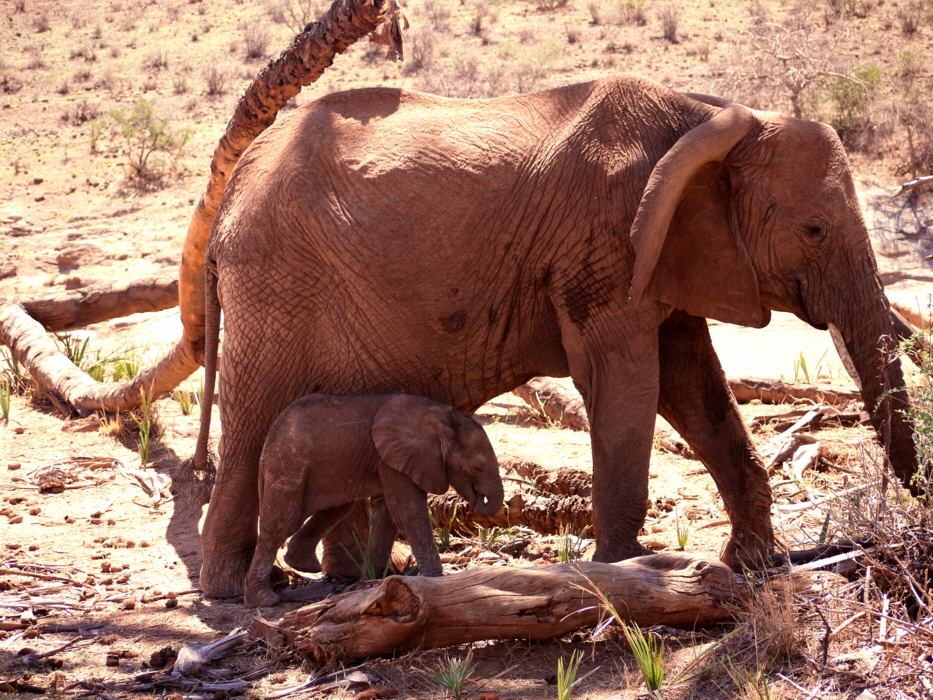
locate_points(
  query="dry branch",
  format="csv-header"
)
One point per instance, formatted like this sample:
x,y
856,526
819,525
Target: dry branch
x,y
559,404
35,350
65,311
403,612
565,406
746,389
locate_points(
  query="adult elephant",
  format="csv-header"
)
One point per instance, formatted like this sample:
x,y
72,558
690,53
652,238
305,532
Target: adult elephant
x,y
380,240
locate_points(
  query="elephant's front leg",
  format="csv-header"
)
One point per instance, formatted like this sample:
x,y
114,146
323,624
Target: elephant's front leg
x,y
696,400
408,508
614,364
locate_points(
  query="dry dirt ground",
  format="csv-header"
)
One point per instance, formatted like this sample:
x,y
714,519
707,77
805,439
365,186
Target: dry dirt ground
x,y
70,216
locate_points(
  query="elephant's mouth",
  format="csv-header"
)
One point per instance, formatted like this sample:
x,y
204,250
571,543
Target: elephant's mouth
x,y
795,302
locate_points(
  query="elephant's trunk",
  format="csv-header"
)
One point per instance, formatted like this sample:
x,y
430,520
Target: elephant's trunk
x,y
870,343
489,499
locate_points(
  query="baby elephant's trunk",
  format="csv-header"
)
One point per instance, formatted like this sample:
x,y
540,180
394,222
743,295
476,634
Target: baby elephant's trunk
x,y
489,497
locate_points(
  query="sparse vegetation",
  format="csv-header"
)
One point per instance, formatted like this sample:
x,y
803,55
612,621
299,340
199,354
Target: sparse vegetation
x,y
145,134
453,674
146,425
294,14
216,79
669,15
5,393
567,675
649,655
256,38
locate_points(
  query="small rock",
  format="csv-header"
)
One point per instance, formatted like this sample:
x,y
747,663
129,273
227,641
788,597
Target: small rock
x,y
14,545
13,466
96,521
35,511
37,180
16,519
171,603
105,567
129,604
40,198
113,659
19,430
69,519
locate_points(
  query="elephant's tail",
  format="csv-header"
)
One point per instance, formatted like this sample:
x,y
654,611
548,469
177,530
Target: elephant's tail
x,y
211,343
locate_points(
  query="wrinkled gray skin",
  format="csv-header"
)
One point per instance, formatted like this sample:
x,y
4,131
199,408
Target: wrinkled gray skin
x,y
324,454
380,240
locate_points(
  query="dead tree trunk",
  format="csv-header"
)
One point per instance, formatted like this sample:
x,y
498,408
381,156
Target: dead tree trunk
x,y
65,311
31,345
403,612
746,389
542,512
547,396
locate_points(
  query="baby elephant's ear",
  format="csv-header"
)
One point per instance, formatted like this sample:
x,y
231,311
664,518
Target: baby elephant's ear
x,y
411,434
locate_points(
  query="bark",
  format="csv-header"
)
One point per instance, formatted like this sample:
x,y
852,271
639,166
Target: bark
x,y
402,613
32,346
543,513
65,311
555,401
566,406
746,389
563,481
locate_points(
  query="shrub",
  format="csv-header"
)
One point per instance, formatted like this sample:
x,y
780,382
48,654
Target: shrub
x,y
216,79
144,134
438,14
669,14
421,47
852,96
478,13
257,38
42,23
596,12
549,5
295,14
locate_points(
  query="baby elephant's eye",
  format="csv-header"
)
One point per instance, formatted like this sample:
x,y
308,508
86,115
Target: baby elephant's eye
x,y
478,468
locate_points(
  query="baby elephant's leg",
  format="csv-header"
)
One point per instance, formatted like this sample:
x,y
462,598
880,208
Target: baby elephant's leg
x,y
408,506
382,535
302,546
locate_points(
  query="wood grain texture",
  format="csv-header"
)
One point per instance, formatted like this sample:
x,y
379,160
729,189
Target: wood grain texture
x,y
401,613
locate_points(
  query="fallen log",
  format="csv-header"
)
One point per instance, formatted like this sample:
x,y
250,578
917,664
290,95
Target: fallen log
x,y
747,389
565,407
408,612
557,402
65,311
563,481
34,349
543,513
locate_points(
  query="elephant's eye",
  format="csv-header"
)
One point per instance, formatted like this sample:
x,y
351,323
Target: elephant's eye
x,y
816,229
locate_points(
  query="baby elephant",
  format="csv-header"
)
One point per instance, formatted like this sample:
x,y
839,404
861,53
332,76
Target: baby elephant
x,y
325,452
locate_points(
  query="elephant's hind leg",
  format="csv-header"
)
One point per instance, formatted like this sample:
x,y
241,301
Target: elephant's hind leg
x,y
696,400
301,554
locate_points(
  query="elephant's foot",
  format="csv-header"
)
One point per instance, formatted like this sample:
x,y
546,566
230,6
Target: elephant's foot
x,y
222,576
748,551
630,550
302,559
260,596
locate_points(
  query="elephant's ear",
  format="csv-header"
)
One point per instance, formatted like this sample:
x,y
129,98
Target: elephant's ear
x,y
687,252
412,435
